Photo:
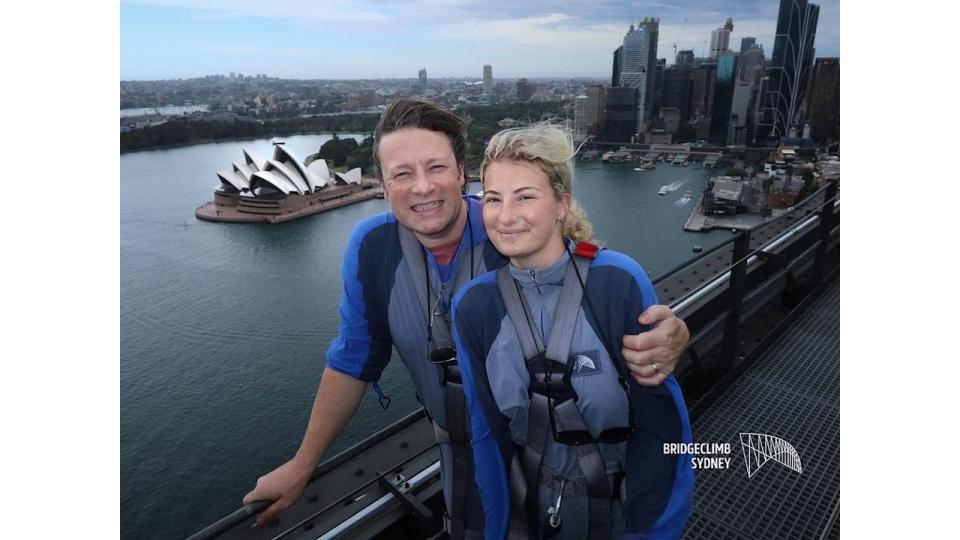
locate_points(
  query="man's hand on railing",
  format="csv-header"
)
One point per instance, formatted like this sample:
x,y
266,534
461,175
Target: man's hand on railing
x,y
284,485
651,356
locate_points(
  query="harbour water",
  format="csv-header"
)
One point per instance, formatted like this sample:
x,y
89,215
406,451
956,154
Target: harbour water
x,y
224,327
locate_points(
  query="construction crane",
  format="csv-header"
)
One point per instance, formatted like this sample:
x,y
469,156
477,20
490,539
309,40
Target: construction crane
x,y
678,39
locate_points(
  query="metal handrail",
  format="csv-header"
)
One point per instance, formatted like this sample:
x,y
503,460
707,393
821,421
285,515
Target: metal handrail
x,y
686,301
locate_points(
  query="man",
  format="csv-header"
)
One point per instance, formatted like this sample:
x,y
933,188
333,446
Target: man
x,y
401,270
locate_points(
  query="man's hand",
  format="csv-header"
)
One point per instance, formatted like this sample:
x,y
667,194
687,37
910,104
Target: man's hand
x,y
284,485
652,355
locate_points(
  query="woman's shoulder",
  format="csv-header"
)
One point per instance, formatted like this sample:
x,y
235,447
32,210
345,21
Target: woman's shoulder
x,y
621,261
479,293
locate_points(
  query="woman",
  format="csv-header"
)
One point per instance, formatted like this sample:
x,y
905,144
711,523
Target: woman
x,y
566,444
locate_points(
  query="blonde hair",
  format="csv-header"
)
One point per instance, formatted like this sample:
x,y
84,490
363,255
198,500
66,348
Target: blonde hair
x,y
551,148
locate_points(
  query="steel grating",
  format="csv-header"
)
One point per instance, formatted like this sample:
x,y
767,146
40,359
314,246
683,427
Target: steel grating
x,y
792,392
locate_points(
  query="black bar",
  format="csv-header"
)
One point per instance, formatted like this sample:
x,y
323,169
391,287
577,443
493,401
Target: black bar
x,y
738,278
228,522
826,225
408,500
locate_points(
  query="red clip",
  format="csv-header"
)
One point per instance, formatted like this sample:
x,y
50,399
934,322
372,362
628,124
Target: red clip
x,y
586,250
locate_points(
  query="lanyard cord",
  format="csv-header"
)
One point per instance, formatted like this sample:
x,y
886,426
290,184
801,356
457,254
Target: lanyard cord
x,y
426,269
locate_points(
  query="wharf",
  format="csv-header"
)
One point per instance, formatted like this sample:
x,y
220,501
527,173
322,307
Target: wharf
x,y
698,221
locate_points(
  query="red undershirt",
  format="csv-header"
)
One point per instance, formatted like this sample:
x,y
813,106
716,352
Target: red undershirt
x,y
444,253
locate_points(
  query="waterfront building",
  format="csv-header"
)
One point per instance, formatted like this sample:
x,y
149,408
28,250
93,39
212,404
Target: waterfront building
x,y
723,195
635,67
487,79
789,71
824,101
621,114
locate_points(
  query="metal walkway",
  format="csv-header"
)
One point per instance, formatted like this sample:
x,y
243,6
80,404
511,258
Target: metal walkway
x,y
792,392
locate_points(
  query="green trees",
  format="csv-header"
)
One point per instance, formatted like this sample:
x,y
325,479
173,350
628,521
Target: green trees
x,y
809,184
178,132
337,150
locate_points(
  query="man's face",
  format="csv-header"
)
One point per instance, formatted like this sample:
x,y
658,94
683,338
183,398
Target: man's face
x,y
422,182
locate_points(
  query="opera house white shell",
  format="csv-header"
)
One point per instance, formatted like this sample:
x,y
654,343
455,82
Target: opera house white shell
x,y
282,188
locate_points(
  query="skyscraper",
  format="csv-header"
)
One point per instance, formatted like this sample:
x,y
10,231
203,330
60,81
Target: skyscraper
x,y
487,79
422,74
723,97
596,108
789,70
739,114
677,87
746,43
751,64
652,25
617,54
634,65
824,101
720,39
621,114
580,120
685,58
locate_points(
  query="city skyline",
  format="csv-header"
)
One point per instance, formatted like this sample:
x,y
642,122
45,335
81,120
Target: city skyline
x,y
172,39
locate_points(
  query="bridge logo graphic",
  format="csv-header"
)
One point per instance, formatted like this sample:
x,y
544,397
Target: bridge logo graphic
x,y
759,448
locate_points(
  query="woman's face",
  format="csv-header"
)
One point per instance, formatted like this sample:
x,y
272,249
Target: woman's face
x,y
522,215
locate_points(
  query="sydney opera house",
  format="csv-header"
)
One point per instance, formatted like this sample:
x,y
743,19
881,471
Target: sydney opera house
x,y
282,188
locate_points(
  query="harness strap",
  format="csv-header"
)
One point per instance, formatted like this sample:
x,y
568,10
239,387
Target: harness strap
x,y
457,432
567,313
577,486
530,342
413,256
598,486
593,469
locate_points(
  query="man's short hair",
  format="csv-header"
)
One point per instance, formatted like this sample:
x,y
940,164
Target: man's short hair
x,y
415,113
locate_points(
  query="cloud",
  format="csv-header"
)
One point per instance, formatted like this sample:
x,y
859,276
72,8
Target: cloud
x,y
451,38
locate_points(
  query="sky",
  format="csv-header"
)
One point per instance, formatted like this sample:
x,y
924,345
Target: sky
x,y
168,39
